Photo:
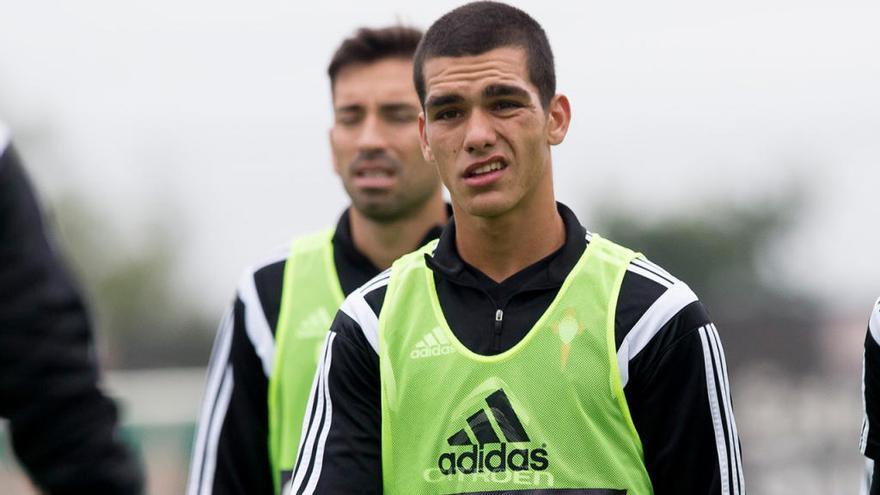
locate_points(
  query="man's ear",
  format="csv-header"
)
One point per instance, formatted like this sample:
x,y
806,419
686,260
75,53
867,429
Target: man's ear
x,y
558,119
423,139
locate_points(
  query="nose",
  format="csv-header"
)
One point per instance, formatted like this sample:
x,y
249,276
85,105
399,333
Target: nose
x,y
372,135
480,133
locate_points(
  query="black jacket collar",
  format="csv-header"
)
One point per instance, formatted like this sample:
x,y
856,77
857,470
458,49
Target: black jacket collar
x,y
343,241
548,272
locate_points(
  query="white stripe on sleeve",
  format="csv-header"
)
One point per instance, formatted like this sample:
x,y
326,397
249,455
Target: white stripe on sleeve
x,y
214,405
316,426
216,426
732,432
715,410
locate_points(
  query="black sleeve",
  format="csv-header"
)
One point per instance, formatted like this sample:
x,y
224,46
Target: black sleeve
x,y
231,454
679,399
63,428
870,435
345,408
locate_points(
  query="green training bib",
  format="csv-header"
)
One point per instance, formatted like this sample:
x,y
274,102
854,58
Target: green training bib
x,y
309,299
547,416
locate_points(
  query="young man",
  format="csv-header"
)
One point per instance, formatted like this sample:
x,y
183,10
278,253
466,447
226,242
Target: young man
x,y
869,443
518,354
268,345
64,429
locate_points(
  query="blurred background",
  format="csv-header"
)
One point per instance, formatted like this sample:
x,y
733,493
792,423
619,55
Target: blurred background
x,y
738,145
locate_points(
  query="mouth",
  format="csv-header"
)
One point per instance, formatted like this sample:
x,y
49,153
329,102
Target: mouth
x,y
485,168
485,172
372,173
375,174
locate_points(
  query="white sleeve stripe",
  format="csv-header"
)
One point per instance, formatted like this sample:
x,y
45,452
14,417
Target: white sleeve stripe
x,y
379,280
310,406
217,366
322,441
316,406
356,307
648,275
256,325
650,267
214,435
308,447
867,480
664,308
733,434
714,409
646,263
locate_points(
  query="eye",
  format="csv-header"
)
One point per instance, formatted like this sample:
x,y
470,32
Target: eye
x,y
348,119
448,114
502,105
402,116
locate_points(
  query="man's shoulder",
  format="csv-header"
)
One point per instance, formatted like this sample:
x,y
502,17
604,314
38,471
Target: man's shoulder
x,y
268,267
359,313
651,299
874,322
5,137
268,272
261,284
366,301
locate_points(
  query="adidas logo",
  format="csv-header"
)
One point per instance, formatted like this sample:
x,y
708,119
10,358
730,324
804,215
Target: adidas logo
x,y
482,456
433,344
315,325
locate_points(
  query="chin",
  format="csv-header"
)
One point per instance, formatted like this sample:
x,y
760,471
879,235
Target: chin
x,y
486,207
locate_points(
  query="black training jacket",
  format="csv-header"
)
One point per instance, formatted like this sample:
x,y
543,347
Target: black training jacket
x,y
63,428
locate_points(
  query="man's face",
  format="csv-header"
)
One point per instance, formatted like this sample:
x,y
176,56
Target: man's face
x,y
486,130
375,140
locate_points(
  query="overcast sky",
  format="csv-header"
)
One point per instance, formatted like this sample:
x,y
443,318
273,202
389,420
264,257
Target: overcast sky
x,y
213,116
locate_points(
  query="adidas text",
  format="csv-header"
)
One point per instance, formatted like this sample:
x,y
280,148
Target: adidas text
x,y
478,460
437,350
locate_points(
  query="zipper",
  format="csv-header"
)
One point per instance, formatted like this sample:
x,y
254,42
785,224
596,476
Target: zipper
x,y
499,320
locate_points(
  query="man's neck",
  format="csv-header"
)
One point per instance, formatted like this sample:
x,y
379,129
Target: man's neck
x,y
503,246
384,242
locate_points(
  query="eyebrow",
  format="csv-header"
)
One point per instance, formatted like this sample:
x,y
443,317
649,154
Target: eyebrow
x,y
443,100
497,90
397,107
350,108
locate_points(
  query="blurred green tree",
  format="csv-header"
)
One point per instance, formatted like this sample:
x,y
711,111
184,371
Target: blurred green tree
x,y
727,254
141,319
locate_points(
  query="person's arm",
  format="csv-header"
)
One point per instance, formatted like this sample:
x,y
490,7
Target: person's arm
x,y
869,441
231,450
679,397
63,428
340,448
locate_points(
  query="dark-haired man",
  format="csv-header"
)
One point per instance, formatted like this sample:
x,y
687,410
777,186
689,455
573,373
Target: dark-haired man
x,y
869,443
268,345
519,353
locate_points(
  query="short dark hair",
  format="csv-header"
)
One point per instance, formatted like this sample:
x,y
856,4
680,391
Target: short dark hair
x,y
479,27
368,45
